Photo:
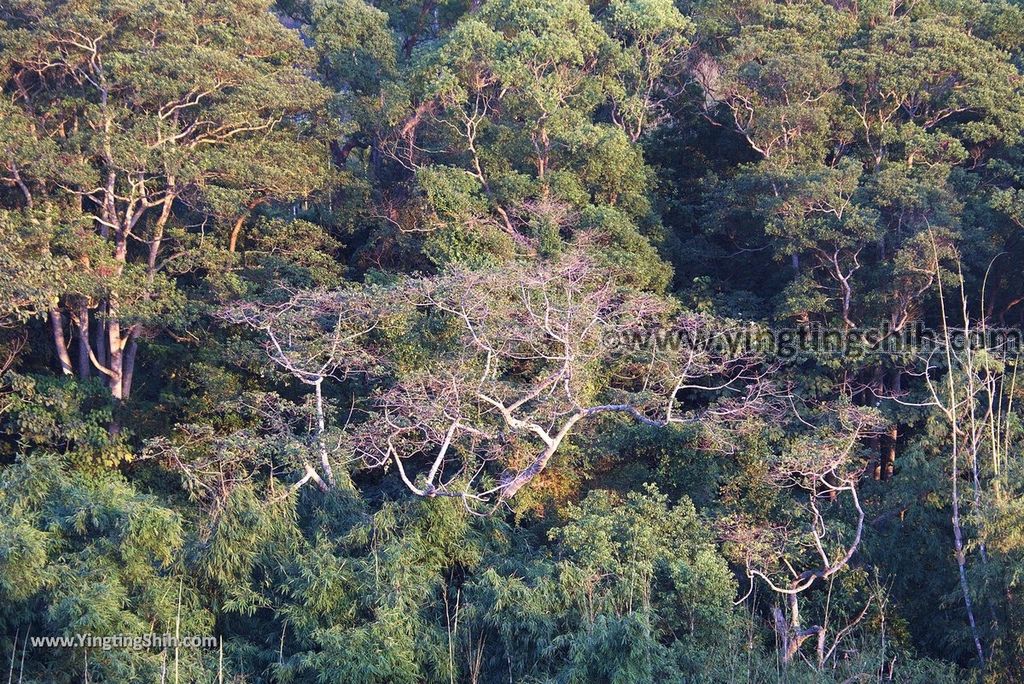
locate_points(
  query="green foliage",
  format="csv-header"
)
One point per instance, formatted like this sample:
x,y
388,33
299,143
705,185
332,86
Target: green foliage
x,y
87,554
45,413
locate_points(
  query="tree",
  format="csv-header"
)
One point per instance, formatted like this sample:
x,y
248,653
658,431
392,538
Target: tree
x,y
822,464
531,352
141,119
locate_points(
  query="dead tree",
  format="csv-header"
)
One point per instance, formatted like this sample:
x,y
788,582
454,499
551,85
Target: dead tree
x,y
313,335
819,467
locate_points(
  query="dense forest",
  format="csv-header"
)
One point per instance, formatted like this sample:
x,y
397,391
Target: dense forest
x,y
394,341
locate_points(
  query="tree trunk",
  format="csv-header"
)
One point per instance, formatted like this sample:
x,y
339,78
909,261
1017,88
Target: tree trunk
x,y
321,426
889,455
128,372
115,343
59,342
878,448
236,229
82,335
790,634
132,346
100,336
875,464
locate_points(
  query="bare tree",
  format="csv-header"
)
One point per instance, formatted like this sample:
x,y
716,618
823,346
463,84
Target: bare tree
x,y
513,361
821,465
533,354
972,400
314,335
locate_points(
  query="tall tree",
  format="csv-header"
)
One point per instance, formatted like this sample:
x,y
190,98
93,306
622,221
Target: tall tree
x,y
145,118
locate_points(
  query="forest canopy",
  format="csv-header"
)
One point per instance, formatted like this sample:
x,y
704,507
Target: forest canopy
x,y
384,341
